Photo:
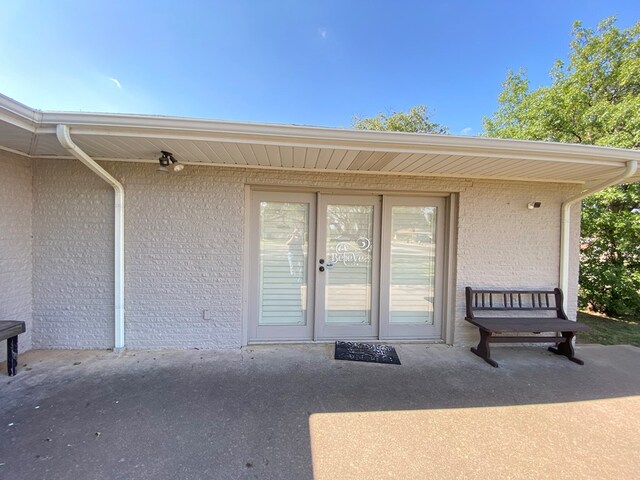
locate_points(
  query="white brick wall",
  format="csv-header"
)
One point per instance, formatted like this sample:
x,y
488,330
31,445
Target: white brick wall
x,y
503,244
184,242
183,237
72,257
15,245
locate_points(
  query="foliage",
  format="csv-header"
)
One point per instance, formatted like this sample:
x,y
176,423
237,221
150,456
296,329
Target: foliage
x,y
610,256
593,99
416,120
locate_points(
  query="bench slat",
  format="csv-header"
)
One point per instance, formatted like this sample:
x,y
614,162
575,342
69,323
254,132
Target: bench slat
x,y
514,308
10,329
527,324
522,339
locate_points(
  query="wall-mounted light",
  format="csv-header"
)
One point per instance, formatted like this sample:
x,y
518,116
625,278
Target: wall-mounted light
x,y
167,159
533,205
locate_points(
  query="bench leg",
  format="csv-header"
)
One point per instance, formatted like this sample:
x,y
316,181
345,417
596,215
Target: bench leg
x,y
12,355
566,348
483,350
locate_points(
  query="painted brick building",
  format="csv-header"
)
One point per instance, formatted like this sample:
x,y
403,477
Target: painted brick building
x,y
204,256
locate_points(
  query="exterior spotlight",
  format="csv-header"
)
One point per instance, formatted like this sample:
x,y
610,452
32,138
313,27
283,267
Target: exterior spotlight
x,y
164,159
177,166
167,159
533,205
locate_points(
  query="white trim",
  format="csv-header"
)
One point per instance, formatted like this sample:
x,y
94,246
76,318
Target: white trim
x,y
320,170
419,145
18,114
421,341
450,273
447,224
352,190
16,152
615,164
246,266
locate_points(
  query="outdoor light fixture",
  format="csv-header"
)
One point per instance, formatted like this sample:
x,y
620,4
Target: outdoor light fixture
x,y
533,205
167,159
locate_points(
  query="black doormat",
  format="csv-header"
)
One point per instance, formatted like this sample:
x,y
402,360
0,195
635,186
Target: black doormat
x,y
365,352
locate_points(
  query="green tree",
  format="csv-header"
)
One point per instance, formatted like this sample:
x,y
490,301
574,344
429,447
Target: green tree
x,y
593,99
610,257
416,120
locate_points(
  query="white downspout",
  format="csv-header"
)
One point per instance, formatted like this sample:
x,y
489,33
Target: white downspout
x,y
64,137
565,226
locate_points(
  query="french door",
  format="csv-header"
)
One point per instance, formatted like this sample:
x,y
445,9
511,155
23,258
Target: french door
x,y
412,268
329,267
282,282
347,278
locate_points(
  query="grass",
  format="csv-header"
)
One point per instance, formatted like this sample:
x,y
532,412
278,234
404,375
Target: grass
x,y
610,331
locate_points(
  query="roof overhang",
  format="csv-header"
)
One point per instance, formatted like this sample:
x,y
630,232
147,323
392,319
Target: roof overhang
x,y
140,138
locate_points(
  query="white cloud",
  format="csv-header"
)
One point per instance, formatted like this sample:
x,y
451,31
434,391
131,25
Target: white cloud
x,y
116,82
322,32
466,131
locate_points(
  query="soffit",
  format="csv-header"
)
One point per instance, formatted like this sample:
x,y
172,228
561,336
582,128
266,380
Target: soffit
x,y
203,142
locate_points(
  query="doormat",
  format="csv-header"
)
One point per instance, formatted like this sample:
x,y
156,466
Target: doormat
x,y
366,352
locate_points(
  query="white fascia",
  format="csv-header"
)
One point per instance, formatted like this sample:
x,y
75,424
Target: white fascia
x,y
179,128
64,137
15,113
565,225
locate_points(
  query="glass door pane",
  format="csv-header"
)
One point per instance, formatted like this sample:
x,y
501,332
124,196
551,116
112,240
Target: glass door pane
x,y
348,264
284,253
413,234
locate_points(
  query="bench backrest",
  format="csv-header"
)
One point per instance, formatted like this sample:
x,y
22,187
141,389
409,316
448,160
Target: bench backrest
x,y
514,300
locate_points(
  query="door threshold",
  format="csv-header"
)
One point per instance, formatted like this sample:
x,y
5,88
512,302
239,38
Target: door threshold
x,y
360,340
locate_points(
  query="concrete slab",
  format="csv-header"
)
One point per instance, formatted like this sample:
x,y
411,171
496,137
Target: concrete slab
x,y
293,412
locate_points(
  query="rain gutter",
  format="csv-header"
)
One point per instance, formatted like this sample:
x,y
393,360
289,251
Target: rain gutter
x,y
565,226
64,137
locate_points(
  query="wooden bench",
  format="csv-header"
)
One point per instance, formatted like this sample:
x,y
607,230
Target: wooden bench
x,y
9,331
533,303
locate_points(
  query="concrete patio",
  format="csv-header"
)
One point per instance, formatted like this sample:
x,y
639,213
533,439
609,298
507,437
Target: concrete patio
x,y
292,412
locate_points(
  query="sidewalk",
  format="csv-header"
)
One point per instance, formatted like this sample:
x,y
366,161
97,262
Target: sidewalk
x,y
289,412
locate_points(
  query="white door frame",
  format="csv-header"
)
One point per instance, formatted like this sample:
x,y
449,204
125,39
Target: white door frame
x,y
272,333
445,262
410,331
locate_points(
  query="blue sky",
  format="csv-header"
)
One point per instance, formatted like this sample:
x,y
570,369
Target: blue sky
x,y
300,62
